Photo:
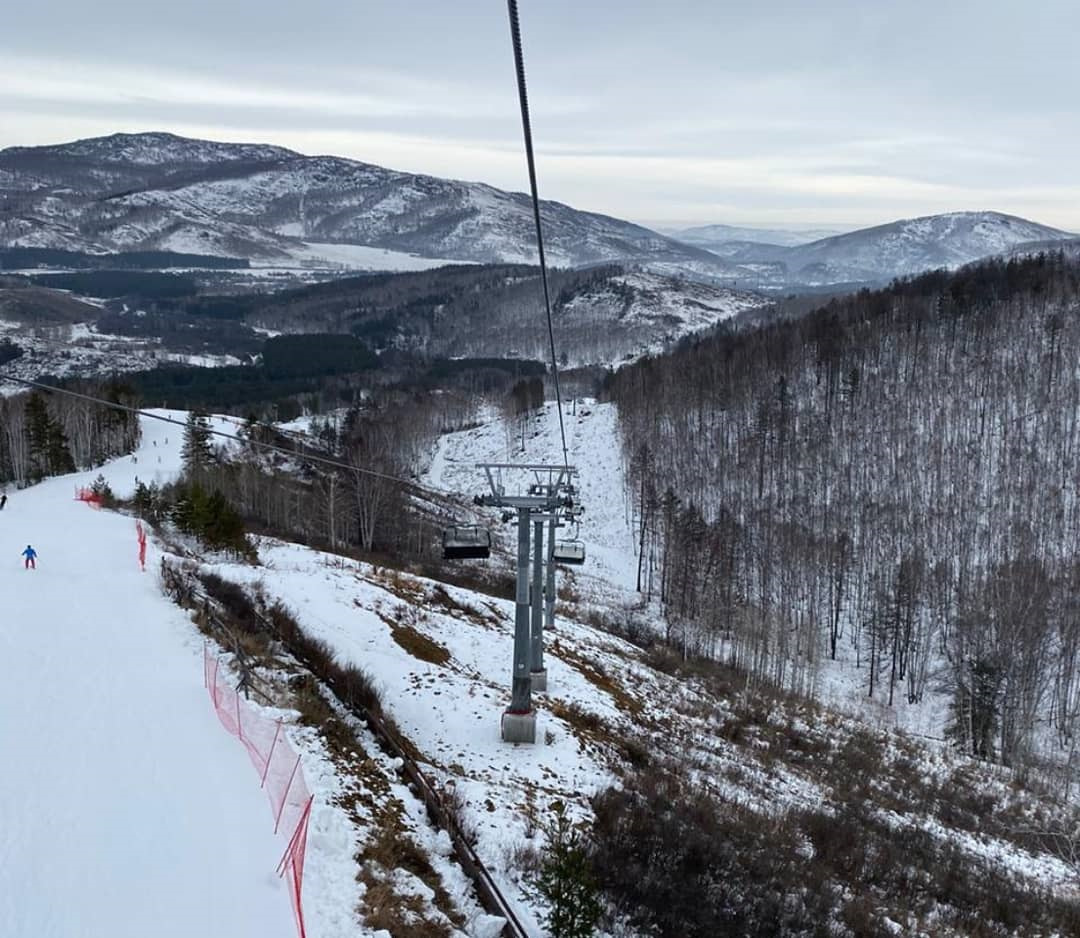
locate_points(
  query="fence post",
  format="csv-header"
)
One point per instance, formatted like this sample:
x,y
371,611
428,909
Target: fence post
x,y
270,755
285,796
239,725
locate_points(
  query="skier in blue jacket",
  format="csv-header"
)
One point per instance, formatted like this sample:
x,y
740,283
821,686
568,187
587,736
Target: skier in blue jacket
x,y
31,555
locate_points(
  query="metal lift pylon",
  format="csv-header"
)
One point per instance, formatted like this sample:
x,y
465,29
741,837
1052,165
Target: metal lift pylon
x,y
550,490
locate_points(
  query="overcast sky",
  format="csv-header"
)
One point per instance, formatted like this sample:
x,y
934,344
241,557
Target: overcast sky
x,y
816,112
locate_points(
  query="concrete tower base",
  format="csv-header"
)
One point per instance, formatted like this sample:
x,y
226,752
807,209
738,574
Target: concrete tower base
x,y
519,727
539,680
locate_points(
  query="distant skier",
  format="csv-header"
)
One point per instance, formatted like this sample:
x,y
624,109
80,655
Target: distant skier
x,y
31,555
3,502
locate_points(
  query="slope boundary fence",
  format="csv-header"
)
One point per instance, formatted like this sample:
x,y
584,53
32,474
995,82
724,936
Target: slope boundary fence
x,y
182,585
279,768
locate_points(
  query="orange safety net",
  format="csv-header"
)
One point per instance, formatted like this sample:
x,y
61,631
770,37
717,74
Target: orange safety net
x,y
279,769
93,499
140,533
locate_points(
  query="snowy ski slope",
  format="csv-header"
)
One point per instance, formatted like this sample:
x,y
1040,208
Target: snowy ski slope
x,y
125,809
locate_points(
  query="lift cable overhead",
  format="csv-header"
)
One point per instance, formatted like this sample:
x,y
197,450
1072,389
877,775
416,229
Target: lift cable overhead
x,y
526,125
305,457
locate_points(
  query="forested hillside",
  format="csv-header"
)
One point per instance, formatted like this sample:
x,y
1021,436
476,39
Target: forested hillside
x,y
891,481
602,314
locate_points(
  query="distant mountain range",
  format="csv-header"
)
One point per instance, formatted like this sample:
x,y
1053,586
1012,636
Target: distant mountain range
x,y
718,238
160,192
874,255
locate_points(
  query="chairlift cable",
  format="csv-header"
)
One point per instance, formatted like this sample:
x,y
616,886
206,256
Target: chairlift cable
x,y
305,457
523,98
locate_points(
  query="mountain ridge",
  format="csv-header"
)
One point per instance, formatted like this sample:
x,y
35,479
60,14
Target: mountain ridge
x,y
272,205
161,191
900,248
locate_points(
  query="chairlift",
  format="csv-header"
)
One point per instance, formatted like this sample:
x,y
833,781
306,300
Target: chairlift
x,y
569,552
466,542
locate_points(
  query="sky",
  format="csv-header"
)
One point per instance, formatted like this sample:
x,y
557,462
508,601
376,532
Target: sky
x,y
838,113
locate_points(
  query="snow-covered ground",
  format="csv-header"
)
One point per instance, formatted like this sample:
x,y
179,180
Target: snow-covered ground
x,y
80,350
608,578
442,657
125,809
593,448
362,257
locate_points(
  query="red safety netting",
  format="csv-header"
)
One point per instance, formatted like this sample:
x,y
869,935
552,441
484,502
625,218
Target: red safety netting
x,y
140,533
93,499
279,769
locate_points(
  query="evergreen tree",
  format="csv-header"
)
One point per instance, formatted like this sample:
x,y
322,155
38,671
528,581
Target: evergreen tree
x,y
566,881
101,488
37,435
48,444
209,517
148,502
59,458
197,452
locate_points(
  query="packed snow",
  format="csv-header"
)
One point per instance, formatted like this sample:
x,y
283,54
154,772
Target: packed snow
x,y
125,809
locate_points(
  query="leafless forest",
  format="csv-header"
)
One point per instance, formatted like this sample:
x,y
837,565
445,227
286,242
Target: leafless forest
x,y
892,481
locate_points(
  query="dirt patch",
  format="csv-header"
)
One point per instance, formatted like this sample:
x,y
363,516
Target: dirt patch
x,y
415,642
596,675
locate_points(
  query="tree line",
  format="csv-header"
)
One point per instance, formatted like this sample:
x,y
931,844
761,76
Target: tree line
x,y
891,480
45,434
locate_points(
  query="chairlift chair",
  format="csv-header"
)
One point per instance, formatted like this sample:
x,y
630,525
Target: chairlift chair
x,y
569,552
466,542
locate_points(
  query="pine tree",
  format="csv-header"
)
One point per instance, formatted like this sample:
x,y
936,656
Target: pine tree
x,y
101,488
48,444
197,452
147,502
37,435
566,881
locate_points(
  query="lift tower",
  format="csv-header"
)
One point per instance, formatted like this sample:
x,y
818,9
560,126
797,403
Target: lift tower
x,y
544,491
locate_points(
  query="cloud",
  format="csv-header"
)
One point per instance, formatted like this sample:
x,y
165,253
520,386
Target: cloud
x,y
704,112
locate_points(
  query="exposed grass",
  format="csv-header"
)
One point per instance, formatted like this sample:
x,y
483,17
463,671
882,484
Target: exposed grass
x,y
384,908
364,783
592,728
419,645
393,849
681,860
411,639
441,599
597,675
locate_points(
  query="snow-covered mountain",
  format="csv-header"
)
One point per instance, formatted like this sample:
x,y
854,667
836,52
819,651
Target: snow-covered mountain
x,y
157,191
719,238
161,191
900,248
1070,247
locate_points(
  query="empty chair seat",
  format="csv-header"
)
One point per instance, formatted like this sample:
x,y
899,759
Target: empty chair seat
x,y
466,543
569,552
